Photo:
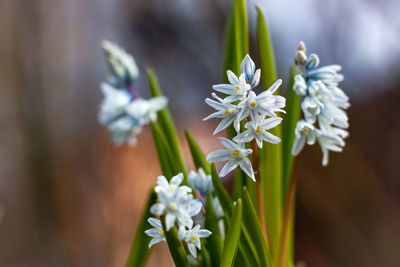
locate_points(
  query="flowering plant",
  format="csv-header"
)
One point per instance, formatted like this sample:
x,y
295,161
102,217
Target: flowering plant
x,y
201,222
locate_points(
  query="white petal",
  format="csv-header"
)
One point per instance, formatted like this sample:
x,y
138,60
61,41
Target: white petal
x,y
298,144
224,124
169,220
155,223
245,165
224,88
215,104
192,250
229,166
152,232
177,179
157,209
227,143
233,79
204,233
275,86
219,155
271,123
154,241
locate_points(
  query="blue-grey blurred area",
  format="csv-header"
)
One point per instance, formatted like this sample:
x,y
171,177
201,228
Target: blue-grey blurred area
x,y
70,198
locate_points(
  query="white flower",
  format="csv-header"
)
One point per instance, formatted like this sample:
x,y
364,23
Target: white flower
x,y
157,232
237,88
265,103
201,182
258,129
235,154
124,130
122,65
114,103
226,111
145,110
175,202
249,69
172,186
192,237
329,143
304,131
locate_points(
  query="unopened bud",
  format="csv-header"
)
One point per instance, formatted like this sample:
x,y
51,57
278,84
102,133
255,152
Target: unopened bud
x,y
301,47
300,57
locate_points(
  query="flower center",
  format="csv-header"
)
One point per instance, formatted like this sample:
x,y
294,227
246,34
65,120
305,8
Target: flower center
x,y
193,238
161,231
237,89
172,206
259,129
235,153
253,104
228,111
172,187
306,130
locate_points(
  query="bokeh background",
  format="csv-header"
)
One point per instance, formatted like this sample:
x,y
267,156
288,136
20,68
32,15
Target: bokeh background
x,y
68,197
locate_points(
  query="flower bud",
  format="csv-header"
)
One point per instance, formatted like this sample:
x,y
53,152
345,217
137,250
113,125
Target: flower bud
x,y
301,47
300,57
248,67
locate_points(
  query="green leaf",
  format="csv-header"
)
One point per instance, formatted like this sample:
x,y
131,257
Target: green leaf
x,y
197,154
168,166
247,248
214,241
250,219
271,154
175,246
220,191
288,134
288,130
139,250
166,122
232,236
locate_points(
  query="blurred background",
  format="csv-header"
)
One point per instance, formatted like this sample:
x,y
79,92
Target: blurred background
x,y
68,197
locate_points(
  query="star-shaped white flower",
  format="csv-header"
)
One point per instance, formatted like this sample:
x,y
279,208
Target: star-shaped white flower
x,y
124,130
226,111
114,103
257,129
171,186
237,88
235,154
192,237
265,103
157,232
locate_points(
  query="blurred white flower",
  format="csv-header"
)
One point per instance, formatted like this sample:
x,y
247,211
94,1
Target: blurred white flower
x,y
123,68
145,110
200,181
305,131
157,232
192,237
235,154
113,105
171,186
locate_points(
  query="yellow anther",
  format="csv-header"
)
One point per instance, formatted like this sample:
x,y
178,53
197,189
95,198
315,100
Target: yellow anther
x,y
237,89
161,231
172,206
306,130
235,153
228,111
193,238
259,129
172,187
253,104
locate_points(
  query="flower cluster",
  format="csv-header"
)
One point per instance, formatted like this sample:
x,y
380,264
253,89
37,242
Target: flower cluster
x,y
323,105
242,103
177,205
123,111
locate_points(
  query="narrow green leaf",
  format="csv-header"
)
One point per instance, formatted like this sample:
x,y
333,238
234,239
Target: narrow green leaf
x,y
221,193
139,250
214,241
271,154
166,121
288,130
232,236
168,166
197,154
175,246
247,248
250,218
288,134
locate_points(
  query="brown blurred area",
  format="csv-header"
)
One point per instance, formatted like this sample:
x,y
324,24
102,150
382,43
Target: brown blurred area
x,y
70,198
